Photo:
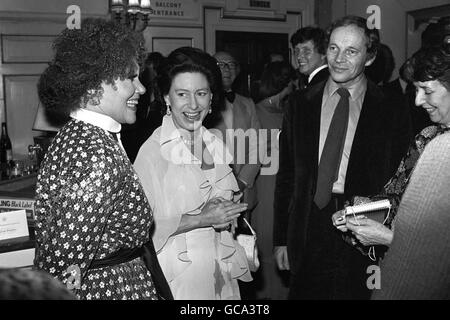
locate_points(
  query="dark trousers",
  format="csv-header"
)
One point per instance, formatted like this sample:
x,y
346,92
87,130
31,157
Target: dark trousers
x,y
331,269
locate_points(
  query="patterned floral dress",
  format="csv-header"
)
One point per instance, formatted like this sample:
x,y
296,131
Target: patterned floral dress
x,y
89,204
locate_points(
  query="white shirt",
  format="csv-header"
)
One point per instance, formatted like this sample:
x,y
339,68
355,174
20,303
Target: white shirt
x,y
228,114
330,100
99,120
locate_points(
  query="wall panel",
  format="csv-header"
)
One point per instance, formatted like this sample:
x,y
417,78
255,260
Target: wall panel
x,y
16,48
167,45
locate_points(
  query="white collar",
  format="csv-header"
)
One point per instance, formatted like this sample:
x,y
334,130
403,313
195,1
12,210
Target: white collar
x,y
316,71
97,119
355,90
174,149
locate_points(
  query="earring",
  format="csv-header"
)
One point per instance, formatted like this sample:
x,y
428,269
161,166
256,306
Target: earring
x,y
210,110
168,112
95,101
92,98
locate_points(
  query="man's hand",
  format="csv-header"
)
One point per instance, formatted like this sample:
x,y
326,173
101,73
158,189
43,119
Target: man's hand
x,y
281,257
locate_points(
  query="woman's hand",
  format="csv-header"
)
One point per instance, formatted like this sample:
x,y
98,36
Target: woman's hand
x,y
369,232
220,213
339,220
217,212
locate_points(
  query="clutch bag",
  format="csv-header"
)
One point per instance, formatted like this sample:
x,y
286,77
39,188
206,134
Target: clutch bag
x,y
248,242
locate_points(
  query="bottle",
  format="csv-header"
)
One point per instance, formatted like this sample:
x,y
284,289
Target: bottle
x,y
5,152
16,169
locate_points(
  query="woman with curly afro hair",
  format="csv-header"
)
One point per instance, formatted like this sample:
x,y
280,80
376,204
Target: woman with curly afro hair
x,y
93,220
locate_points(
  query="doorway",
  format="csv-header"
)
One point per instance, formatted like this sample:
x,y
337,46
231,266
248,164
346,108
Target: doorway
x,y
252,50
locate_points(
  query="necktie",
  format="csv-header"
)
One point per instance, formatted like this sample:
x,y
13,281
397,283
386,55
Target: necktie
x,y
332,151
230,96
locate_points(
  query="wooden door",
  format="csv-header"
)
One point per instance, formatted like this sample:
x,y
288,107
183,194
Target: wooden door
x,y
252,50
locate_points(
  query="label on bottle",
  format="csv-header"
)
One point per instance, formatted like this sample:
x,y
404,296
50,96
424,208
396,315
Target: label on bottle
x,y
8,155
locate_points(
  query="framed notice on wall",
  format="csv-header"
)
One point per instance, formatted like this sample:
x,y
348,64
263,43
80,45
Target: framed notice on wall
x,y
175,9
18,203
255,8
273,5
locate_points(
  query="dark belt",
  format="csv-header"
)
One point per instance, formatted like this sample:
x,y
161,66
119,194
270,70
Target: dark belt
x,y
148,254
118,257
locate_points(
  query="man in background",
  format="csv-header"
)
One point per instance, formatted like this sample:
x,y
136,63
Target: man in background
x,y
239,113
309,45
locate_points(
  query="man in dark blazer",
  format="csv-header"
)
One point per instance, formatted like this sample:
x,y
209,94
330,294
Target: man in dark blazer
x,y
309,46
321,264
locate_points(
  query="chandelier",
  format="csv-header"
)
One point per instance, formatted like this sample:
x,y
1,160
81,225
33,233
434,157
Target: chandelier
x,y
132,13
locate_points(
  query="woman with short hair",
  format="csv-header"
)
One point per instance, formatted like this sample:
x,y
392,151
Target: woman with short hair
x,y
93,220
185,171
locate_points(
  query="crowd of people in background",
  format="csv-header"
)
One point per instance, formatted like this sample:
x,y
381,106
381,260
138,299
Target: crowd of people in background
x,y
144,190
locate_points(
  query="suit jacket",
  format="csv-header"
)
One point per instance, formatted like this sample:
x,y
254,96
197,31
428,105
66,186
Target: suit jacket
x,y
381,139
245,117
320,76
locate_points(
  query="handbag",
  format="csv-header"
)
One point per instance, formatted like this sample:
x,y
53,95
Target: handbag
x,y
248,242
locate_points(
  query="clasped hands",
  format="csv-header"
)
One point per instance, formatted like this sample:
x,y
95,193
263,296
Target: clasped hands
x,y
367,231
221,213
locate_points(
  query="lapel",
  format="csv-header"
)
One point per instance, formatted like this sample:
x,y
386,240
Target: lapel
x,y
367,128
220,124
238,117
240,121
222,127
239,114
322,75
312,111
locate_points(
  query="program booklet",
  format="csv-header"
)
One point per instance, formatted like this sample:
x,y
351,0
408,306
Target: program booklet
x,y
377,210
